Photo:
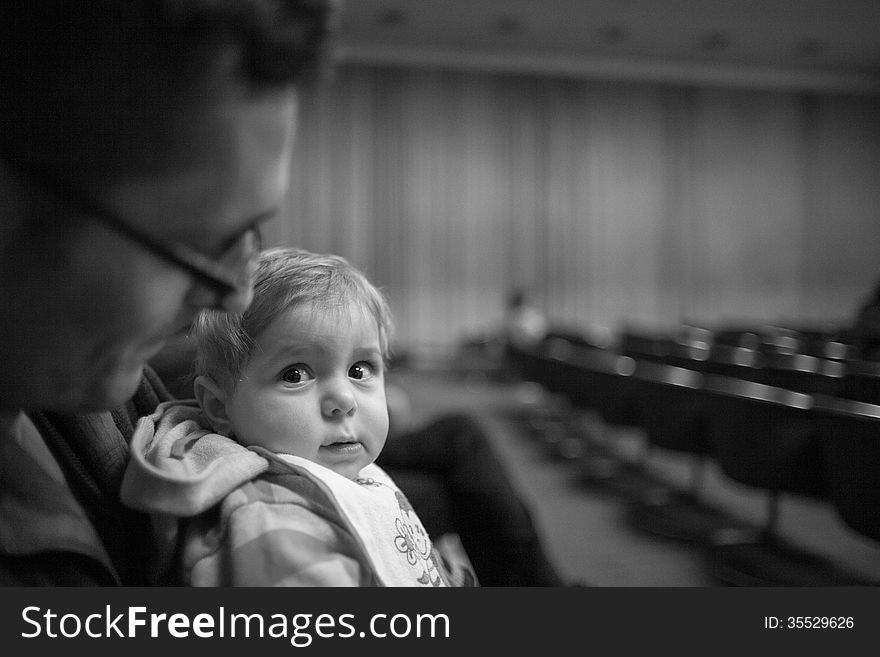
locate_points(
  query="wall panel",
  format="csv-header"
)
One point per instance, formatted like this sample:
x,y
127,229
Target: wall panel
x,y
613,202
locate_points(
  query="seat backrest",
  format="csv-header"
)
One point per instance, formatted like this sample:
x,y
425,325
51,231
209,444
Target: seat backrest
x,y
851,432
738,362
601,380
862,381
672,407
645,346
764,436
803,373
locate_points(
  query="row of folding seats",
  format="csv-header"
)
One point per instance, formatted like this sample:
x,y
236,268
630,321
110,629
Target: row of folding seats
x,y
769,415
769,355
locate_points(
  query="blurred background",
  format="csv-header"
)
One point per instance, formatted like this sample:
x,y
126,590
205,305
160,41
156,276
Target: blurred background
x,y
626,160
681,171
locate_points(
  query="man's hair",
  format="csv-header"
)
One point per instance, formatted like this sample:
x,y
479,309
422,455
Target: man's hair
x,y
286,279
78,76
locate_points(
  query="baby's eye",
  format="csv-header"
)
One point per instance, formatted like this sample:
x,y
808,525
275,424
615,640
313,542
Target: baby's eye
x,y
296,374
361,370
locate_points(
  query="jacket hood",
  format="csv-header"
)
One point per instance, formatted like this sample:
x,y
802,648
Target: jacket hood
x,y
179,467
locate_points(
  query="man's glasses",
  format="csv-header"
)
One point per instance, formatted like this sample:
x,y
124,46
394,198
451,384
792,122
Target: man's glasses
x,y
226,275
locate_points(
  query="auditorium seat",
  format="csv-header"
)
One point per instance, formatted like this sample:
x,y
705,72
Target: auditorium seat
x,y
831,347
851,434
732,361
555,421
862,381
744,337
766,438
774,339
541,411
803,373
685,346
672,410
642,344
598,381
544,362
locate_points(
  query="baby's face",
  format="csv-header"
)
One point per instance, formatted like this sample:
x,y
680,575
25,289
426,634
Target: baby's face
x,y
315,387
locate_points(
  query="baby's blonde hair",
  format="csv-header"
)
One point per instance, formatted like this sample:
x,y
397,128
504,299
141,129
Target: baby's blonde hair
x,y
286,278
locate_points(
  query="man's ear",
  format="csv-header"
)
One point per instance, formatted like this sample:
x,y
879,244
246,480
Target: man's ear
x,y
212,400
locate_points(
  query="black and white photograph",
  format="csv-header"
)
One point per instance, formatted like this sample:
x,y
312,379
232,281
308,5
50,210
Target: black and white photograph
x,y
569,302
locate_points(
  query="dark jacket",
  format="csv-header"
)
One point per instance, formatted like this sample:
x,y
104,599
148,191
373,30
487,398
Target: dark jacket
x,y
93,466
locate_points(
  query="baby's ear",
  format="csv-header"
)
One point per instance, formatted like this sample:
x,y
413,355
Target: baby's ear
x,y
212,400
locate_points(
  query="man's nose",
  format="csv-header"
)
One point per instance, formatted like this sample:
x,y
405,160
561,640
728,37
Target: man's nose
x,y
238,300
235,301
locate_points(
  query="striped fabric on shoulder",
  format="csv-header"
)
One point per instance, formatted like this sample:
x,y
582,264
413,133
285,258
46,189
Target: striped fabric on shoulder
x,y
271,535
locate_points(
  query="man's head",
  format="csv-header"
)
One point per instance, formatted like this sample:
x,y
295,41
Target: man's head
x,y
302,370
141,143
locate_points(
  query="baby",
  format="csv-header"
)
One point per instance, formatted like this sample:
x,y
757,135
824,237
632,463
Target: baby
x,y
268,477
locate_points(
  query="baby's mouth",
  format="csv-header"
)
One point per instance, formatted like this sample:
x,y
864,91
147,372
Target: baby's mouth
x,y
344,446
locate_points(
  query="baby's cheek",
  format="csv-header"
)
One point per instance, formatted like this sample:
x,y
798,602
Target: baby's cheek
x,y
379,417
267,428
288,433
